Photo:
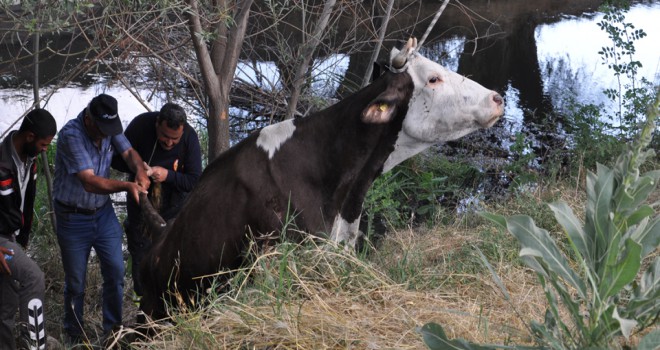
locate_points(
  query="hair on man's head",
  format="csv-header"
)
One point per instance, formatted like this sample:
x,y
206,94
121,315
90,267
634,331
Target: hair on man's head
x,y
40,122
173,115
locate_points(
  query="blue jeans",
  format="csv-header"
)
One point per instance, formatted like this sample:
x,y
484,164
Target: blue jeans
x,y
77,234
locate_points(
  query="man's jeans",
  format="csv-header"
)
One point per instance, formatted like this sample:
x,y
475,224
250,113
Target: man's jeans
x,y
77,234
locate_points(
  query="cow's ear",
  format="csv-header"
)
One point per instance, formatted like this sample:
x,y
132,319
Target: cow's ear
x,y
378,112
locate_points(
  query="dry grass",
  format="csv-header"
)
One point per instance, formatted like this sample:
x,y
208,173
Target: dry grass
x,y
334,300
315,296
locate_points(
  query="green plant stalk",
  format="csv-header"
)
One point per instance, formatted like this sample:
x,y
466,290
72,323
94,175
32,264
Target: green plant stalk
x,y
606,252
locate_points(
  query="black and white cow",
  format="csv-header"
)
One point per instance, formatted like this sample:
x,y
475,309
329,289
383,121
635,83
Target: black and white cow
x,y
317,168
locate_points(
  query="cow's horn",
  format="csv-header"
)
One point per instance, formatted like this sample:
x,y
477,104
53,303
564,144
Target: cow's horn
x,y
400,60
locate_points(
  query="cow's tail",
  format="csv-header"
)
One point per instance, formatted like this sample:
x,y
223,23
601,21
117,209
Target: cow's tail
x,y
155,223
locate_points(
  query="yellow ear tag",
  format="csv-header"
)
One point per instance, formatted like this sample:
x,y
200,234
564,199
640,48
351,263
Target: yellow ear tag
x,y
382,107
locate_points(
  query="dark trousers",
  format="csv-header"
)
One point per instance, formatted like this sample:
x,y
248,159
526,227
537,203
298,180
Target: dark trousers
x,y
138,245
23,291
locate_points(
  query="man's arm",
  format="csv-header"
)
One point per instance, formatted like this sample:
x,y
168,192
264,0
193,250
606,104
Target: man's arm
x,y
135,163
101,185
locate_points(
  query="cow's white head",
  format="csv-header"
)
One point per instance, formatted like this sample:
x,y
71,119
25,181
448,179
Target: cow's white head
x,y
444,105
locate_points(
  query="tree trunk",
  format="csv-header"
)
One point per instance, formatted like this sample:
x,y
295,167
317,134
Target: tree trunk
x,y
218,65
218,128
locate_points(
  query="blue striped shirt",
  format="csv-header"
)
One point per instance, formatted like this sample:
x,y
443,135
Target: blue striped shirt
x,y
77,152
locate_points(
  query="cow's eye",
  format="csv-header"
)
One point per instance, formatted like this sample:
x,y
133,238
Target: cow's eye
x,y
435,80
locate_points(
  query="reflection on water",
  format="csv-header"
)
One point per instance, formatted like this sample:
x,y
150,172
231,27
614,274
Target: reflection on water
x,y
569,60
65,104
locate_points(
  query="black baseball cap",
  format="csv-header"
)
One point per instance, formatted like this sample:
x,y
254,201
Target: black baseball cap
x,y
103,109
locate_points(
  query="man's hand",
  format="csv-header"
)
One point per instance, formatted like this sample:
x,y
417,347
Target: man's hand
x,y
134,189
4,268
142,177
157,174
137,165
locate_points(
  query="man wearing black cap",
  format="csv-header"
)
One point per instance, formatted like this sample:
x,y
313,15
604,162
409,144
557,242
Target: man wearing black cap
x,y
22,284
84,212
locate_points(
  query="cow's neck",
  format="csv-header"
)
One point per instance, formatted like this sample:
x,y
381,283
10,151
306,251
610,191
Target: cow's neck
x,y
404,148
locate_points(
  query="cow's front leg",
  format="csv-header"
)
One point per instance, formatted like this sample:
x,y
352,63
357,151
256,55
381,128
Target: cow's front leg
x,y
346,232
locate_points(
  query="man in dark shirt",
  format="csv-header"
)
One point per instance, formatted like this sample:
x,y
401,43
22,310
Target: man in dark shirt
x,y
22,284
170,149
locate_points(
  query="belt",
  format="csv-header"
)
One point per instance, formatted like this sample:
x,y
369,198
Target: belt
x,y
72,209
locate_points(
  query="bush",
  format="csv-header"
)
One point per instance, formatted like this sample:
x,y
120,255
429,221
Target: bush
x,y
418,191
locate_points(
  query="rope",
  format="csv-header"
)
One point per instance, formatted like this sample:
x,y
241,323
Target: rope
x,y
435,19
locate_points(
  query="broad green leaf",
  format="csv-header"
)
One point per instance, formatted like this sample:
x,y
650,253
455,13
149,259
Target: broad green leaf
x,y
626,325
531,262
602,203
645,234
495,218
591,195
643,310
650,238
573,227
537,242
650,341
435,333
612,254
653,174
638,215
623,271
597,220
632,196
436,339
